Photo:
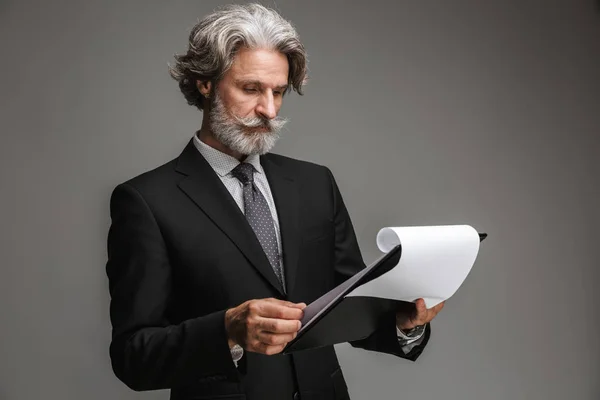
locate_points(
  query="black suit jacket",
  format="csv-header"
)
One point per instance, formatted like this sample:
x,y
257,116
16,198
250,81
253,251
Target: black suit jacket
x,y
180,253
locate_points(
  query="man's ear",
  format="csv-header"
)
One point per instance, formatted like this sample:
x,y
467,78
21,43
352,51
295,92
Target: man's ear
x,y
204,87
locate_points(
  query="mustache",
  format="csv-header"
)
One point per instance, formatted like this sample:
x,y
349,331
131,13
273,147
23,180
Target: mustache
x,y
257,122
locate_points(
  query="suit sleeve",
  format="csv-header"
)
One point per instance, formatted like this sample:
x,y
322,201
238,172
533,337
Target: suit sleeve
x,y
147,351
348,261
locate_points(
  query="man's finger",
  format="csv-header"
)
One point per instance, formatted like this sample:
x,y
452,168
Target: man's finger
x,y
280,310
438,308
421,308
275,339
285,303
288,303
273,325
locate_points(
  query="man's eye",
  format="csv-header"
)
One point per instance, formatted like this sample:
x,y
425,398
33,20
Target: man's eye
x,y
249,90
277,93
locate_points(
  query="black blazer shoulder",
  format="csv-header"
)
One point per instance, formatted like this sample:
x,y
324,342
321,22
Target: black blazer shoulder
x,y
172,171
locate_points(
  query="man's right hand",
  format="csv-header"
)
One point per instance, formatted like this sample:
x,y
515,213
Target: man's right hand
x,y
263,326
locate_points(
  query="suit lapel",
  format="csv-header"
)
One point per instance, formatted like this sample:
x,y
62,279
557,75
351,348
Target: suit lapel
x,y
286,196
203,187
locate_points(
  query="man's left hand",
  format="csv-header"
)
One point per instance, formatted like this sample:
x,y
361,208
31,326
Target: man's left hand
x,y
416,314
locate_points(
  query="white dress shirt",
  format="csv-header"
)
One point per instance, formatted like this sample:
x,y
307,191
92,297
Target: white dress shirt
x,y
223,164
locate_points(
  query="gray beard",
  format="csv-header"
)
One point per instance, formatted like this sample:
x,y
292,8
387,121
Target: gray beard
x,y
237,133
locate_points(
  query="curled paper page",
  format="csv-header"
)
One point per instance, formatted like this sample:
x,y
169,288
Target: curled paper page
x,y
434,263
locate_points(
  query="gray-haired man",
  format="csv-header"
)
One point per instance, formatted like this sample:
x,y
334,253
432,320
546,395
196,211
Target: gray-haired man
x,y
214,255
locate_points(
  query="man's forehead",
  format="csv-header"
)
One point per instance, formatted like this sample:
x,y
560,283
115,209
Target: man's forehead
x,y
265,67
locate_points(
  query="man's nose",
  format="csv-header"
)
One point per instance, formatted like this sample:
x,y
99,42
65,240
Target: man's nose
x,y
266,106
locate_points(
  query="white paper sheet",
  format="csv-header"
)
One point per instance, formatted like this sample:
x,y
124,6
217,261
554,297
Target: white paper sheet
x,y
434,263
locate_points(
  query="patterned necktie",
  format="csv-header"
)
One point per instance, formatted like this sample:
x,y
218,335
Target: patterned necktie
x,y
259,217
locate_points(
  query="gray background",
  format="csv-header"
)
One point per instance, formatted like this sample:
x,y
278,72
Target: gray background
x,y
428,112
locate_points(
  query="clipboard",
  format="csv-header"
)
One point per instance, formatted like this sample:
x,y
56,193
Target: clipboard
x,y
334,318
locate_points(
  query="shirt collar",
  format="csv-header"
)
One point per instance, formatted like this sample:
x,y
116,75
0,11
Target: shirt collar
x,y
223,163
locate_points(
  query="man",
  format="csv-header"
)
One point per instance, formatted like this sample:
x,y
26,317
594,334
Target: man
x,y
213,256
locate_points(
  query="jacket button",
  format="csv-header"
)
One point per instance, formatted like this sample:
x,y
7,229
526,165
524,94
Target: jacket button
x,y
297,396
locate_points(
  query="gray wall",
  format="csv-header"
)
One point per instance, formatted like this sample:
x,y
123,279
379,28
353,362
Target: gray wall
x,y
437,112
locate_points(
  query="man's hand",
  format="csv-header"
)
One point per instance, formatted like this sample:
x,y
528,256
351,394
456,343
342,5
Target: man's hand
x,y
263,326
411,315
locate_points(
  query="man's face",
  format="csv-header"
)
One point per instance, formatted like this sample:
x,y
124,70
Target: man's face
x,y
247,100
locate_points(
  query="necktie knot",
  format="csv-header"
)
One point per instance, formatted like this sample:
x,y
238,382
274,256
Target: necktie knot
x,y
244,172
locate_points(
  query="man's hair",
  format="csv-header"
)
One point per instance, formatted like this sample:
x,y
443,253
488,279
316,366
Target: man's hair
x,y
215,40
